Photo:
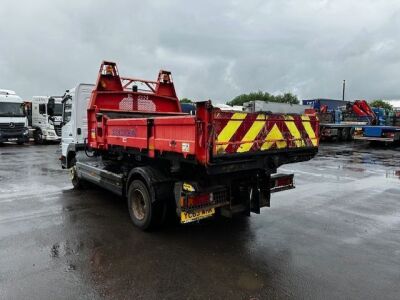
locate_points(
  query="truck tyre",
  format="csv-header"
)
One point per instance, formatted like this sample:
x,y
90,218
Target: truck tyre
x,y
339,135
351,134
78,183
144,212
345,134
38,137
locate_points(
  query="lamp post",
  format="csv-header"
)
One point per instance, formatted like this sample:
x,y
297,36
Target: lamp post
x,y
344,88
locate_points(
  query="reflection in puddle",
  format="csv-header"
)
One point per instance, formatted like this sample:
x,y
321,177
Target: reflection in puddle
x,y
355,169
393,174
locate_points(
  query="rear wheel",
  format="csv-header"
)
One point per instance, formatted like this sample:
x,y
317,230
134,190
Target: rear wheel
x,y
145,213
339,135
351,134
345,134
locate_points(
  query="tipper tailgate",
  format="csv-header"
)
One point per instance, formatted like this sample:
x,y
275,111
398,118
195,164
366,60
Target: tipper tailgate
x,y
250,133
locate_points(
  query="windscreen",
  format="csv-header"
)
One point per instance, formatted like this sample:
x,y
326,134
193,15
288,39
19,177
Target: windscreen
x,y
10,109
58,109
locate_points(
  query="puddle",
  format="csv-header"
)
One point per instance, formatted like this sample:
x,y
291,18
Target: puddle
x,y
354,169
71,267
393,174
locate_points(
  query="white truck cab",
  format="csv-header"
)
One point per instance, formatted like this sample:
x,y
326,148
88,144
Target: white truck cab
x,y
46,118
13,121
74,121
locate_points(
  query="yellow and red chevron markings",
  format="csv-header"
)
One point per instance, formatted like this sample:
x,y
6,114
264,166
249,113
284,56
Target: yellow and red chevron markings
x,y
245,132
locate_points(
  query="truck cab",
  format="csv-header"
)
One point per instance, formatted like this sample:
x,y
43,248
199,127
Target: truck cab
x,y
13,121
46,118
74,121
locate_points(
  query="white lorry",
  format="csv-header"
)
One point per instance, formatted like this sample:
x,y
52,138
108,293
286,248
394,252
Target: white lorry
x,y
74,121
13,121
46,114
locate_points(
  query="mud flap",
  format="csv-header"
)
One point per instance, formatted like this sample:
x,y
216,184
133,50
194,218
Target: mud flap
x,y
255,199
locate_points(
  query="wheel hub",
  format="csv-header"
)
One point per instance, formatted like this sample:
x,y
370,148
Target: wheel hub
x,y
72,172
138,205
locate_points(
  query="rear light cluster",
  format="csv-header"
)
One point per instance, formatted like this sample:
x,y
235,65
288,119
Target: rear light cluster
x,y
281,182
189,201
196,200
388,134
285,181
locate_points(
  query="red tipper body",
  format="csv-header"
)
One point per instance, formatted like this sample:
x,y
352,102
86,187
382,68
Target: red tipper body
x,y
149,121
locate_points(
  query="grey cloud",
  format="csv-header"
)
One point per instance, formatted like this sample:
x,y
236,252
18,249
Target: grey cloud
x,y
215,49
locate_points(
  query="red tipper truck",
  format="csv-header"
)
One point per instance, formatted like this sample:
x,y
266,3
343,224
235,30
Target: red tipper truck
x,y
141,146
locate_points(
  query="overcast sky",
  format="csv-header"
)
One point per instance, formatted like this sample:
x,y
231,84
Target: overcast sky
x,y
215,49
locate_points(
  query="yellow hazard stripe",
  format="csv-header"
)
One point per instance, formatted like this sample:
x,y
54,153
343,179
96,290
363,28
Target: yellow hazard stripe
x,y
309,130
274,136
294,131
250,136
229,130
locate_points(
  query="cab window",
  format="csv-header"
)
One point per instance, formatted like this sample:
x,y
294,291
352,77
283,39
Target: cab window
x,y
42,109
67,110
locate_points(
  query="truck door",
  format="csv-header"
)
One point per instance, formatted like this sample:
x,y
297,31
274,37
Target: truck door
x,y
67,121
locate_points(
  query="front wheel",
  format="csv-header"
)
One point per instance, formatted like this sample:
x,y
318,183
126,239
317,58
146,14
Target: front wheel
x,y
77,182
144,212
38,137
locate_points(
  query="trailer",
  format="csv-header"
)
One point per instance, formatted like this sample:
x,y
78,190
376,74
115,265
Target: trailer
x,y
383,134
338,119
141,146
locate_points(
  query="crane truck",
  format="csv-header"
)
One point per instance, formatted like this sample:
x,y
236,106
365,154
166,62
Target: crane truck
x,y
141,146
338,119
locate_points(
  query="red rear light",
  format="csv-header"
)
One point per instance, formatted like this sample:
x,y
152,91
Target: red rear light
x,y
285,181
388,134
198,200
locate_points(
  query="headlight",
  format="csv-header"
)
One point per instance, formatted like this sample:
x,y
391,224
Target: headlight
x,y
26,131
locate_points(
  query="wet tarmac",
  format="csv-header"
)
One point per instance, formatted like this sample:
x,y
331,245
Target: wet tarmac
x,y
336,236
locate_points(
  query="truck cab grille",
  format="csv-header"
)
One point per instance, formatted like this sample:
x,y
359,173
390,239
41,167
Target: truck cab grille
x,y
57,129
12,127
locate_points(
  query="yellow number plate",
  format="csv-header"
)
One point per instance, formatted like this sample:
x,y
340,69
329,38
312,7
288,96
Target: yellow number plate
x,y
187,217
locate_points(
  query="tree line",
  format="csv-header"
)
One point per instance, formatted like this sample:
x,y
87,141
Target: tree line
x,y
262,96
282,98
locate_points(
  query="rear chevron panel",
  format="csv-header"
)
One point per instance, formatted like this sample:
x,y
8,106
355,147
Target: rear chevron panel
x,y
250,132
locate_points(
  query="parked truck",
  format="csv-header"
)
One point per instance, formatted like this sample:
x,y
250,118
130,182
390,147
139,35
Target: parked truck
x,y
379,133
140,145
13,121
338,118
45,114
386,130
